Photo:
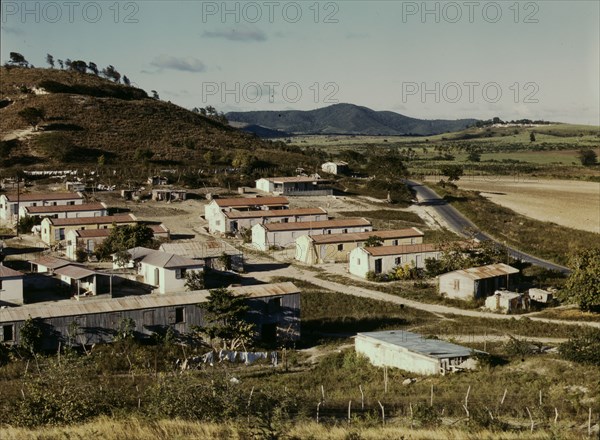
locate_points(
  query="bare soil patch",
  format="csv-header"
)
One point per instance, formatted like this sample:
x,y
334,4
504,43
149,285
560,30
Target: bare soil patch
x,y
570,203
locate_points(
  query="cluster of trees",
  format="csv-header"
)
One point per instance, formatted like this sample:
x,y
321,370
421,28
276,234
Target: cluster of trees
x,y
583,285
462,255
109,72
497,120
125,237
210,112
587,157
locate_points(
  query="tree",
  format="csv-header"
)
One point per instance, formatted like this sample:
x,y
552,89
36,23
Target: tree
x,y
474,156
61,63
126,80
78,66
155,94
93,68
125,237
583,348
587,157
50,60
143,154
111,73
389,169
16,59
373,241
583,285
532,137
31,334
452,172
225,313
33,116
194,280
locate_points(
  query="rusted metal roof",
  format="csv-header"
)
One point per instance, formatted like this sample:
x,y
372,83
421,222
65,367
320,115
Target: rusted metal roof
x,y
489,271
51,262
103,220
251,201
298,226
275,213
7,272
74,272
32,197
380,251
66,208
362,236
115,305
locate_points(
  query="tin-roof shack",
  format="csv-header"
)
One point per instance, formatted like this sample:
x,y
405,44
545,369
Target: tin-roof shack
x,y
477,282
273,308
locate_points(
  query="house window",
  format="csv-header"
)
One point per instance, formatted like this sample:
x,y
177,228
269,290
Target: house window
x,y
218,223
456,284
398,261
344,231
340,247
358,261
179,315
0,284
329,231
412,241
395,243
70,203
180,273
8,332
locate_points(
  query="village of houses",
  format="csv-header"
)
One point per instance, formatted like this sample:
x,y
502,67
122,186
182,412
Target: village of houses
x,y
290,220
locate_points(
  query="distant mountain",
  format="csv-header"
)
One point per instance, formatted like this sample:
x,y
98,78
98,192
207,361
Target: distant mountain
x,y
347,119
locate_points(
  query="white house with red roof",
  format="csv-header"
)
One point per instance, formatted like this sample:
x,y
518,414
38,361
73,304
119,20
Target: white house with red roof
x,y
10,204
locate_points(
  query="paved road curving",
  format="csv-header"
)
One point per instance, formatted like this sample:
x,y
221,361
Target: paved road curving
x,y
460,224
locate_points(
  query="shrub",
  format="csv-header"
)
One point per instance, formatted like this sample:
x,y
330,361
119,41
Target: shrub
x,y
583,348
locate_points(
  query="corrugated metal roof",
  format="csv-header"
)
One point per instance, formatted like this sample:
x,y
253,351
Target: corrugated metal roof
x,y
114,305
7,272
489,271
32,197
298,226
362,236
379,251
416,343
274,213
103,220
51,262
66,208
168,260
74,272
200,249
251,201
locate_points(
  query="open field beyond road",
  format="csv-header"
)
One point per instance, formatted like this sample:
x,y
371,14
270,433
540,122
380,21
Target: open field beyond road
x,y
568,203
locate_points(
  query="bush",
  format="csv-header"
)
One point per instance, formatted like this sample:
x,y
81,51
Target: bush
x,y
584,348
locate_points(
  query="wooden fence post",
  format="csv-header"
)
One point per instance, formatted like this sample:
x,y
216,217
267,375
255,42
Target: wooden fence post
x,y
362,398
382,413
349,411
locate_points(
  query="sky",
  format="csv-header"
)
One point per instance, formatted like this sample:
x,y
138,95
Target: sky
x,y
431,60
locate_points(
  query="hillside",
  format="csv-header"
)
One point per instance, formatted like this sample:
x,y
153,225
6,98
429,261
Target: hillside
x,y
87,117
347,119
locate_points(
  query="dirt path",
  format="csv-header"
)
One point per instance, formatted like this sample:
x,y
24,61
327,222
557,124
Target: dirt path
x,y
310,276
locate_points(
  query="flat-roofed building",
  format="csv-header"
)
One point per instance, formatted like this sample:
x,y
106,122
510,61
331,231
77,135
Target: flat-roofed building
x,y
290,186
55,230
10,204
11,286
317,249
240,220
285,234
97,209
383,259
214,212
412,352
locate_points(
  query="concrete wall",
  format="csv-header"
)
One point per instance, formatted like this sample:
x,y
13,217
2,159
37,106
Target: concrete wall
x,y
11,290
382,354
67,214
454,285
165,280
264,185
